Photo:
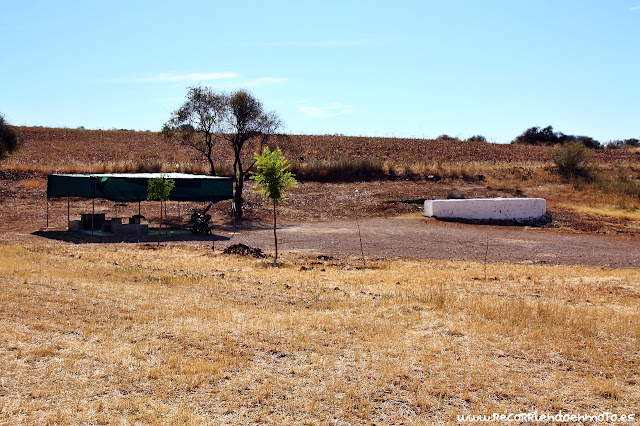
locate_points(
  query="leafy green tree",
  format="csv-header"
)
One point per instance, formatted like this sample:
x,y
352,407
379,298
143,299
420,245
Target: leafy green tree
x,y
197,121
159,189
273,178
9,140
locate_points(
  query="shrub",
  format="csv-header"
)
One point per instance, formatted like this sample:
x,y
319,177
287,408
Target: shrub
x,y
617,143
587,141
537,136
573,160
546,136
446,137
9,140
627,143
622,186
477,138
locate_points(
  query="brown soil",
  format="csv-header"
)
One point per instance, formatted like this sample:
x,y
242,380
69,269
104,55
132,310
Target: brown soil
x,y
60,149
320,219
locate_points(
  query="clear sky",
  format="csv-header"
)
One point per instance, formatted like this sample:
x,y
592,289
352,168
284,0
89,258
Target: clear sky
x,y
360,68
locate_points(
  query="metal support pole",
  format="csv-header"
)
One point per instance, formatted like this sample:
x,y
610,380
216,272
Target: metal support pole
x,y
233,215
68,204
93,214
93,204
47,212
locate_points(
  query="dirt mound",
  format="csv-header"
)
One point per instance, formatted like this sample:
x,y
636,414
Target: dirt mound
x,y
244,250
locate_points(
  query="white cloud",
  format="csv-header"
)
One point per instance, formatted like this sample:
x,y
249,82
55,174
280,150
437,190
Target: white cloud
x,y
329,110
634,8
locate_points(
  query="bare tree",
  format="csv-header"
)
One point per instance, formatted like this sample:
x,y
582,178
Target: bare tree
x,y
197,121
246,122
237,118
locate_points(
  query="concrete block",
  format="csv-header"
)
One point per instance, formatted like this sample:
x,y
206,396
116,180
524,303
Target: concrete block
x,y
517,209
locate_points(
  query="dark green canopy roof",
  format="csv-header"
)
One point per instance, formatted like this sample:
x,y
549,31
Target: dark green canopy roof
x,y
127,187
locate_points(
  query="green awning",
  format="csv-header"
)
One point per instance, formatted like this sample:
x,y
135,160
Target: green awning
x,y
129,187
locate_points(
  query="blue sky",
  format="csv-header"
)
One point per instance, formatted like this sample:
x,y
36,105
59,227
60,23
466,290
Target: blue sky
x,y
361,68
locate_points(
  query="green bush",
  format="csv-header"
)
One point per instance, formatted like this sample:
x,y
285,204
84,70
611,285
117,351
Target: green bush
x,y
573,160
9,141
477,138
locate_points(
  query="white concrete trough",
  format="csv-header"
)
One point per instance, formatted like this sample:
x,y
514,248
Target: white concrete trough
x,y
488,209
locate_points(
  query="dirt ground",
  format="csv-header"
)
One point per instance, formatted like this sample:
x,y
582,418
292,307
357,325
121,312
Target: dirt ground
x,y
323,219
415,237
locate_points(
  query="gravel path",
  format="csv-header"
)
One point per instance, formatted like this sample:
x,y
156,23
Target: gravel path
x,y
433,239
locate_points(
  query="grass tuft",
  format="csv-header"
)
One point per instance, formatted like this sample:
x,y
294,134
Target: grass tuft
x,y
343,170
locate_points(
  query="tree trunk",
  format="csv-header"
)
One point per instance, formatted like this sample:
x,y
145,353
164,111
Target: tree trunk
x,y
209,151
237,199
160,229
275,236
213,169
237,196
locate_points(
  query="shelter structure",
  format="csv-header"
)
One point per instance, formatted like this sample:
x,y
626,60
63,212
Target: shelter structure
x,y
132,187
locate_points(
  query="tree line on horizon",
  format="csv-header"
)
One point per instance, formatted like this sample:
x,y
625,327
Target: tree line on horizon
x,y
547,137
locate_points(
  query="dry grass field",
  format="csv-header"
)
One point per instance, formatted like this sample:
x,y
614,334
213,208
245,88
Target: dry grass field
x,y
128,333
102,334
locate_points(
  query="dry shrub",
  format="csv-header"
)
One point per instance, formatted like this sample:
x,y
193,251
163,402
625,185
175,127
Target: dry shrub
x,y
573,160
343,170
